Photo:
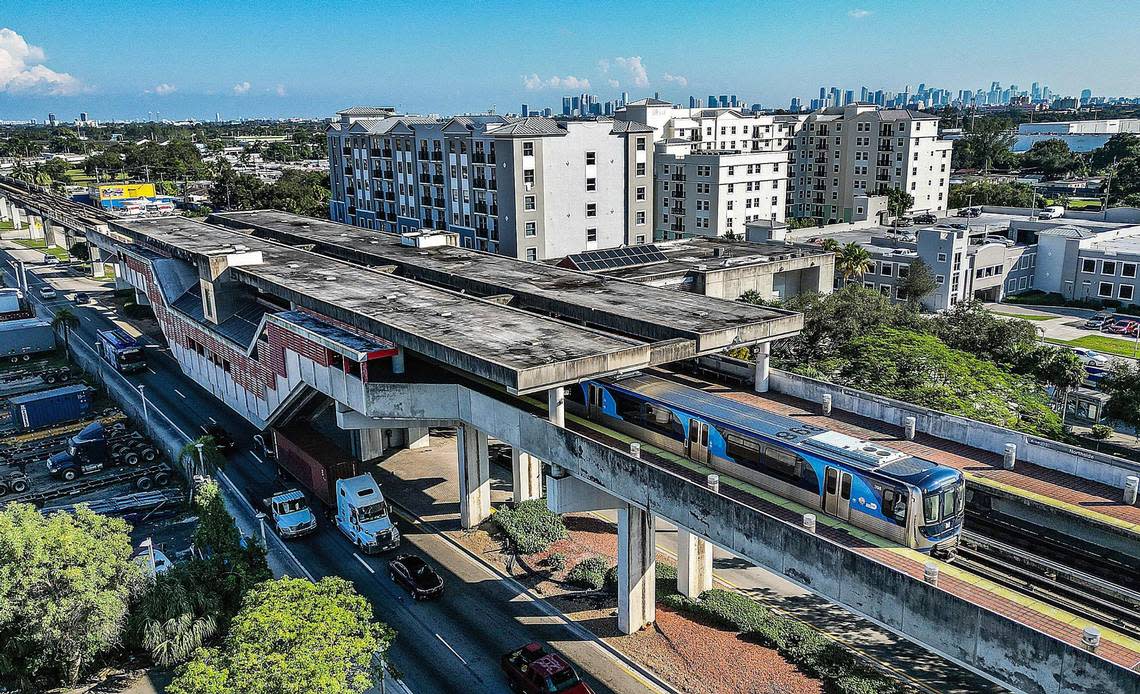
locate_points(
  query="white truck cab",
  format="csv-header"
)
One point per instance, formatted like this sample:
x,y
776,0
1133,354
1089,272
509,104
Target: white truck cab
x,y
362,514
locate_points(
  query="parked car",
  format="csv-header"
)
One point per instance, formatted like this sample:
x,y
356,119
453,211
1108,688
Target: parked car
x,y
904,222
416,576
1123,327
1051,212
1097,321
50,259
925,218
969,212
47,292
534,670
1091,357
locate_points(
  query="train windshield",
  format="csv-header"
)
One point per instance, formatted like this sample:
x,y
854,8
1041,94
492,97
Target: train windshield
x,y
944,504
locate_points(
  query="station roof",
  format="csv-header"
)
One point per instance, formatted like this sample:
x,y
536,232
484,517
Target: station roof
x,y
522,351
702,324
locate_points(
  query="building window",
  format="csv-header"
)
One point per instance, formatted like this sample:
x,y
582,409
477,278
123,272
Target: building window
x,y
1104,289
529,202
640,238
640,169
940,279
528,177
640,193
1108,267
528,149
530,229
591,209
640,217
591,158
942,257
1125,292
532,254
591,185
591,234
641,144
1088,265
1128,269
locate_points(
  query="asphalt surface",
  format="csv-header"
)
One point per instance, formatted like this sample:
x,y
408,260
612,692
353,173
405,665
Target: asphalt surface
x,y
449,645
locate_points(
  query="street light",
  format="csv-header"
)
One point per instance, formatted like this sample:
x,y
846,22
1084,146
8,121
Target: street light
x,y
201,460
146,412
261,520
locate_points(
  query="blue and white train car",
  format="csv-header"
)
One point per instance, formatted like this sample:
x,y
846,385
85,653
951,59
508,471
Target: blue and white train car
x,y
908,500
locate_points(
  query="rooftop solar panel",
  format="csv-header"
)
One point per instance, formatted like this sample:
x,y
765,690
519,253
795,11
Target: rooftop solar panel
x,y
609,258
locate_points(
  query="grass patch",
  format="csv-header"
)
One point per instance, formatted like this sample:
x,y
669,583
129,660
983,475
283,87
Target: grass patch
x,y
589,573
41,245
1100,343
530,527
808,649
1024,316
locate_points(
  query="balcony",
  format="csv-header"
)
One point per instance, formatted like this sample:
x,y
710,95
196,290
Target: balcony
x,y
386,152
390,196
439,202
886,163
883,177
478,157
677,226
389,174
677,209
491,184
885,146
437,180
425,178
437,155
821,160
480,208
679,192
374,152
423,154
425,200
678,177
348,170
480,183
495,210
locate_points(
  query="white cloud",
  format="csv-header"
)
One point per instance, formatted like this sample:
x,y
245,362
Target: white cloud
x,y
279,90
163,89
533,82
636,70
859,13
614,84
22,69
241,88
604,65
679,80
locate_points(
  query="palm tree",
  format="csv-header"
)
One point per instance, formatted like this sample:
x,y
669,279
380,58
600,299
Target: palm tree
x,y
1062,369
831,246
853,261
63,322
175,640
210,460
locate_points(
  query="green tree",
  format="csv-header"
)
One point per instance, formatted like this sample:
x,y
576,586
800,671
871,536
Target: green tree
x,y
1060,368
175,616
65,581
293,637
919,282
208,461
986,145
968,326
1053,158
831,245
853,261
991,193
1126,180
299,192
63,322
1119,147
1123,387
235,191
898,200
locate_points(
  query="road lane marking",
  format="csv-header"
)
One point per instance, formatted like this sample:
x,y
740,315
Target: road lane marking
x,y
152,371
372,571
212,420
257,458
180,394
453,651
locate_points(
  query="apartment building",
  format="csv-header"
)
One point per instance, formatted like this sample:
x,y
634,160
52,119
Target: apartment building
x,y
716,169
531,188
840,154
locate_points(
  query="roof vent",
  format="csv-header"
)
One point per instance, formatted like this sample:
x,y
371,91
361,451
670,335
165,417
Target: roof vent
x,y
330,278
294,266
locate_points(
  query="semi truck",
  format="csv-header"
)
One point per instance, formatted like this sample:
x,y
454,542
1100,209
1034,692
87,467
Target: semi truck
x,y
296,451
120,350
96,448
21,338
362,515
289,512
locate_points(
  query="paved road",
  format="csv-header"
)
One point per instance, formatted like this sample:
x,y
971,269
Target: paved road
x,y
446,646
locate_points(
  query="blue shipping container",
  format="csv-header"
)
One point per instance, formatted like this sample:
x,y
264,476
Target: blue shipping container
x,y
50,407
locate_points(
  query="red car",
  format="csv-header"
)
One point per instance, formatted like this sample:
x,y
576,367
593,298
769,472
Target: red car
x,y
1124,327
533,670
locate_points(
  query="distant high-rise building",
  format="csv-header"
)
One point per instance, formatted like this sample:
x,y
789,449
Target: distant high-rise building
x,y
1086,94
797,105
609,108
51,119
848,96
724,100
547,112
567,106
82,116
712,101
823,93
693,102
525,111
624,98
834,96
863,94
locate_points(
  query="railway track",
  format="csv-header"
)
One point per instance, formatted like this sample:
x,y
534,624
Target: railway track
x,y
1103,602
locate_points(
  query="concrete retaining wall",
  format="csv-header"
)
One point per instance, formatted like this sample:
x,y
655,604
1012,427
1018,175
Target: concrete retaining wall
x,y
1120,215
1010,653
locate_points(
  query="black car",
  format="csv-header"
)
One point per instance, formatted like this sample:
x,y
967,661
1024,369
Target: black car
x,y
969,212
222,439
82,298
926,218
416,576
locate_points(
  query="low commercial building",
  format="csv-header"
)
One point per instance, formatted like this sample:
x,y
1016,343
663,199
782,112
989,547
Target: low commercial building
x,y
1090,264
1080,136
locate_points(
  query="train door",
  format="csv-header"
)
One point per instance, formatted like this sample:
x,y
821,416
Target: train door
x,y
837,493
594,401
698,443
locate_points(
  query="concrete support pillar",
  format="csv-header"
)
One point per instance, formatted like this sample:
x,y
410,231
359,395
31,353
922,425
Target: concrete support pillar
x,y
398,365
763,350
120,276
694,564
17,217
417,437
35,226
636,568
50,233
5,209
526,476
474,476
96,255
556,408
369,444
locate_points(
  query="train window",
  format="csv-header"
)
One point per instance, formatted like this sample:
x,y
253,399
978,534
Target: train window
x,y
660,419
628,408
894,505
951,502
931,507
831,479
845,487
743,450
782,463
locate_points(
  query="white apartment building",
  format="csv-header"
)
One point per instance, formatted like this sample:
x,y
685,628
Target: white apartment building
x,y
840,154
531,188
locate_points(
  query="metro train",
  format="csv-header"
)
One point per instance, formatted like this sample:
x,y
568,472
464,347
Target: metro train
x,y
908,500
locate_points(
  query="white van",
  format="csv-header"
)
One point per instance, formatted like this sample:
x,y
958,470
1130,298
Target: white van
x,y
1051,212
362,514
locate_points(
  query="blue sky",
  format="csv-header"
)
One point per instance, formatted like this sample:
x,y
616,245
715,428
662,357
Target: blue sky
x,y
287,57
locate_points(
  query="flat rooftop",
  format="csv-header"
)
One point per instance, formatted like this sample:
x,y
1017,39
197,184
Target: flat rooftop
x,y
625,307
708,254
517,349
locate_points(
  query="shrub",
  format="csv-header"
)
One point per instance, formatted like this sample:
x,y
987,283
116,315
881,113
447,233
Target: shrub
x,y
556,561
733,610
1100,432
589,573
531,527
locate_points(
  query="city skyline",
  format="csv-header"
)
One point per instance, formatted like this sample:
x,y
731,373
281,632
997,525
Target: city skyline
x,y
279,60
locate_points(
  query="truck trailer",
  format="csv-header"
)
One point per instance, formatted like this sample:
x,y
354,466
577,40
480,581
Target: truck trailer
x,y
296,451
21,338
